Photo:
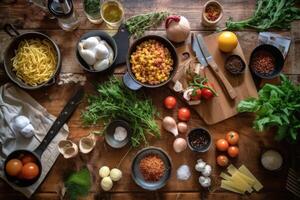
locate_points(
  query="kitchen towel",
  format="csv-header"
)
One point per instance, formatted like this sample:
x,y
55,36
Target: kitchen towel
x,y
14,102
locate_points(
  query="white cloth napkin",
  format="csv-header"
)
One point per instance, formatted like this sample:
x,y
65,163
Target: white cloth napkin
x,y
13,102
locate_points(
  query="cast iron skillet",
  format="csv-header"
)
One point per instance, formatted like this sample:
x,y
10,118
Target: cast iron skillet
x,y
129,78
12,47
37,153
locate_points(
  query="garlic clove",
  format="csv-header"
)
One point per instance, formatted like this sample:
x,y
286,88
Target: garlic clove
x,y
87,144
101,65
179,145
27,131
90,42
67,148
170,125
20,122
178,87
101,51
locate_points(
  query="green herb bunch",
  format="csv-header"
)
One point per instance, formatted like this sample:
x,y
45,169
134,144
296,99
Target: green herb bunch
x,y
116,101
269,14
78,184
138,24
92,7
277,105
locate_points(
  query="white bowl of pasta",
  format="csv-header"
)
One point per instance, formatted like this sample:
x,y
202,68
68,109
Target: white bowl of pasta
x,y
32,60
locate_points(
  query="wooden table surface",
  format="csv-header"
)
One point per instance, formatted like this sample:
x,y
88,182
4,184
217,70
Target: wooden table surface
x,y
27,17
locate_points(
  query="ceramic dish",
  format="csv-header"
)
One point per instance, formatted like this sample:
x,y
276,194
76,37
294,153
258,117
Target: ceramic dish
x,y
138,177
199,134
229,64
207,22
109,135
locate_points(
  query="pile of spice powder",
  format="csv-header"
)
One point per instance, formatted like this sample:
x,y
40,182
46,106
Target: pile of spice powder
x,y
152,167
263,62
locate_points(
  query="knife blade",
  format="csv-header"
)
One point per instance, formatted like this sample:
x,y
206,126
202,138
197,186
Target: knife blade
x,y
204,49
196,48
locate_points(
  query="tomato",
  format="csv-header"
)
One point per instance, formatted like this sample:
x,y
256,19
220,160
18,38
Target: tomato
x,y
28,158
232,137
207,93
233,151
13,167
222,161
170,102
30,171
222,145
184,114
196,95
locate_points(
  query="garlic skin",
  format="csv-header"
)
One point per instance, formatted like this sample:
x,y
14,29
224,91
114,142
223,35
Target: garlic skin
x,y
106,183
101,64
104,172
177,28
115,174
170,125
182,127
27,131
87,144
207,171
179,145
199,167
67,148
204,181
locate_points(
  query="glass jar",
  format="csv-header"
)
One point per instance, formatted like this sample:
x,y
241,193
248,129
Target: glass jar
x,y
112,13
92,11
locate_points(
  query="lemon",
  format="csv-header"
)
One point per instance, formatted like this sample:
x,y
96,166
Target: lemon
x,y
227,41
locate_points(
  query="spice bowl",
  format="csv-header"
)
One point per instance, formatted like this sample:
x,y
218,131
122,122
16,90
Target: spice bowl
x,y
261,60
199,140
137,174
117,134
235,65
212,13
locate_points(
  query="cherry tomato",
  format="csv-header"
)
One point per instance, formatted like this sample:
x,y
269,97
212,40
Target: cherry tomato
x,y
196,95
28,158
232,137
222,161
233,151
206,93
30,171
222,145
170,102
184,114
13,167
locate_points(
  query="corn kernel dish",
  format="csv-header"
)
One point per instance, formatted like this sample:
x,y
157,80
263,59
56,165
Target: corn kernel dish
x,y
151,62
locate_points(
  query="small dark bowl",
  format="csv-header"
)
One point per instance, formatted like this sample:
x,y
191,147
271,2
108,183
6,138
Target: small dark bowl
x,y
167,44
138,177
109,135
278,151
241,70
103,36
279,61
199,132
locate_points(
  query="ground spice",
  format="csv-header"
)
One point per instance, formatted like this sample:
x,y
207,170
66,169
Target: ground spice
x,y
152,167
234,64
198,140
212,12
263,62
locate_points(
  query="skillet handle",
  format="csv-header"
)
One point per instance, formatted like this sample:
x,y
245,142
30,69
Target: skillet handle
x,y
11,30
60,120
130,83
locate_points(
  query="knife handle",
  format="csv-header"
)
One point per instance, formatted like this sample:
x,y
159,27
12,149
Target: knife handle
x,y
223,80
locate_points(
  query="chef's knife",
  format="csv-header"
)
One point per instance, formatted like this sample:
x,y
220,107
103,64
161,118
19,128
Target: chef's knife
x,y
196,49
218,73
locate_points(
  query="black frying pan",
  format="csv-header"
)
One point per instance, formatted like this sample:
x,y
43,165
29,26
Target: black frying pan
x,y
13,46
129,78
37,153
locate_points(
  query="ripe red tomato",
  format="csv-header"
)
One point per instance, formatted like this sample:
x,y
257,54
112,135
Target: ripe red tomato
x,y
206,93
196,95
13,167
222,161
184,114
30,171
170,102
222,145
232,137
233,151
28,158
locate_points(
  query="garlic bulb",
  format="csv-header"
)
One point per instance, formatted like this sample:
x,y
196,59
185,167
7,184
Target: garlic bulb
x,y
115,174
67,148
178,28
27,131
200,165
106,183
101,64
22,125
101,51
204,181
207,171
179,145
110,50
104,171
170,125
87,55
87,144
90,42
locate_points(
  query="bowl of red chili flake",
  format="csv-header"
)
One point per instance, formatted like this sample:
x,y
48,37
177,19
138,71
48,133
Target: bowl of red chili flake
x,y
266,61
151,168
212,13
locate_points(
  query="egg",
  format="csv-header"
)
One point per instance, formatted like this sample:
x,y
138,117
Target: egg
x,y
106,183
104,171
179,145
115,174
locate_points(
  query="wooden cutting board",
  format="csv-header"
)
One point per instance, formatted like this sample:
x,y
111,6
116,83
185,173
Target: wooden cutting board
x,y
221,107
